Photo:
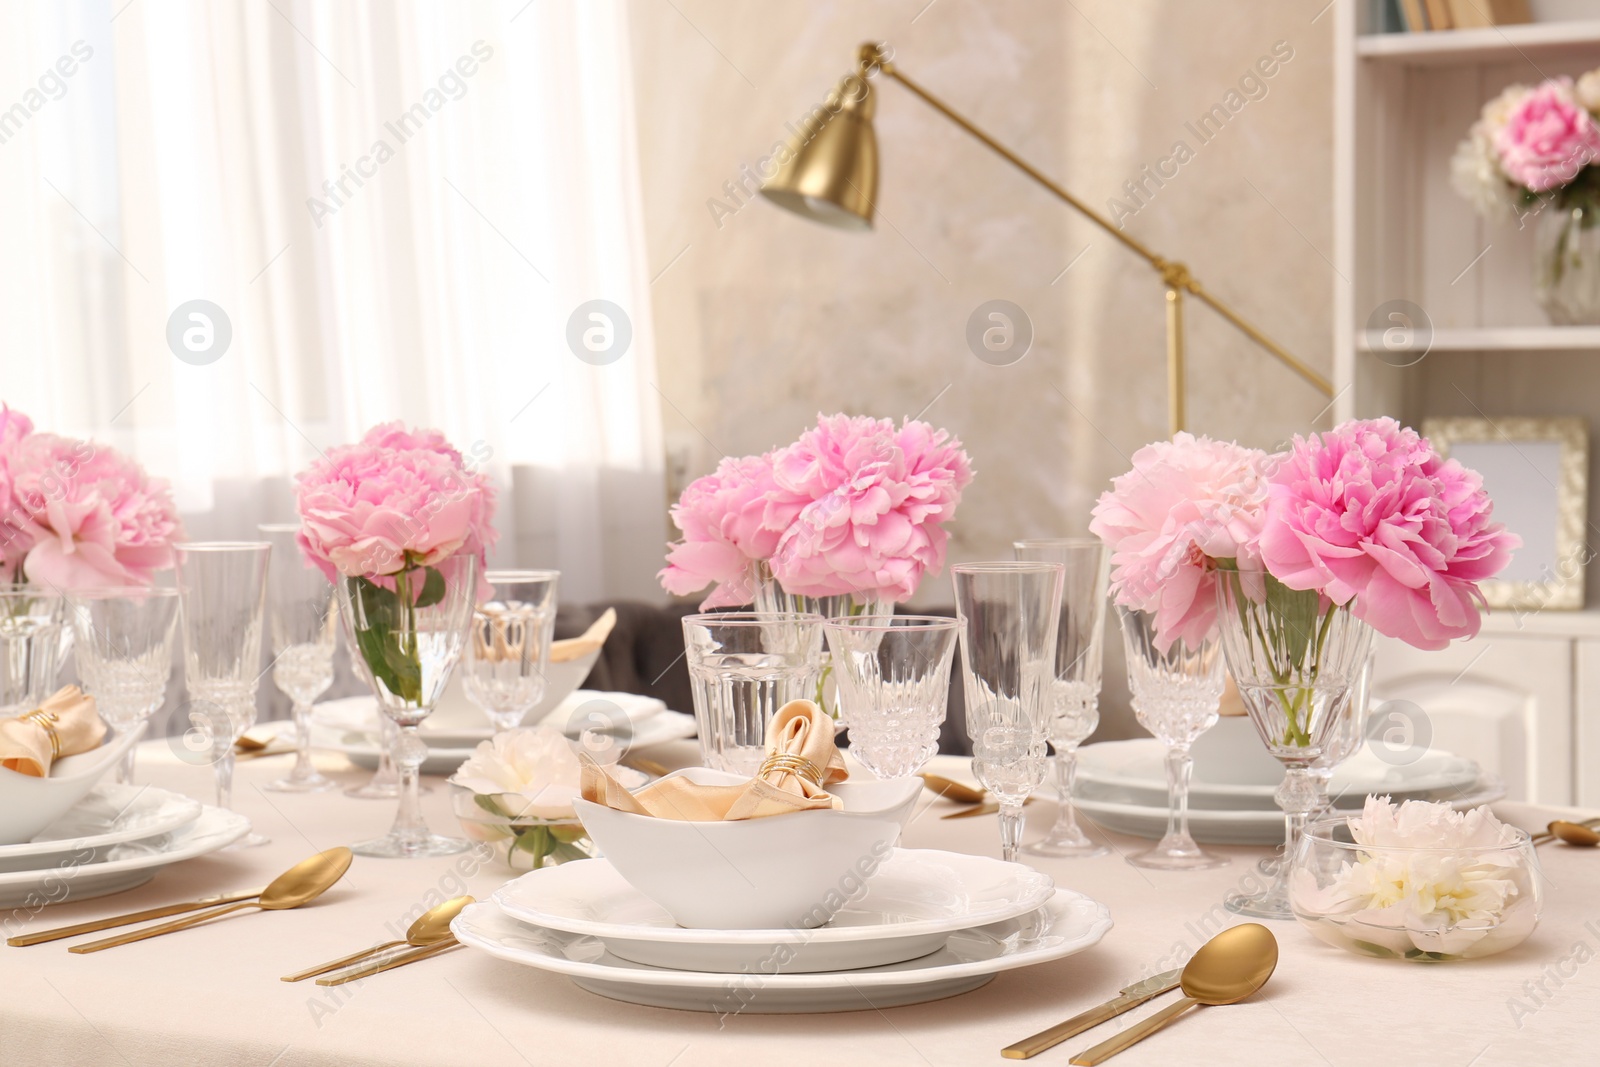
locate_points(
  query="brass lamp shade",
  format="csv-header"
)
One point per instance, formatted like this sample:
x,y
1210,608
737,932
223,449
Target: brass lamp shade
x,y
831,173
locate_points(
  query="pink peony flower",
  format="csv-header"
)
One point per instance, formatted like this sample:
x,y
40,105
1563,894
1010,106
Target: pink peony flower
x,y
1548,137
728,518
878,500
379,508
88,515
1369,513
1185,503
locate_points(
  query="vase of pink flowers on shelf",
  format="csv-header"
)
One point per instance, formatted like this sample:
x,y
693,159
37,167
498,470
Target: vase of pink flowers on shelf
x,y
1294,559
1532,156
847,520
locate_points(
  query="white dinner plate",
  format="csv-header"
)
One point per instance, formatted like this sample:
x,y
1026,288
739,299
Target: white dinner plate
x,y
361,713
108,815
1069,923
80,876
1234,826
1134,772
908,908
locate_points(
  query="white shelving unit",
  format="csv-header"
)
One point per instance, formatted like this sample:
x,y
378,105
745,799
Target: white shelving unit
x,y
1524,698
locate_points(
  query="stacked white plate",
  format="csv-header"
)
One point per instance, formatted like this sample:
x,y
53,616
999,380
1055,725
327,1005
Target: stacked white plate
x,y
115,838
926,925
1122,786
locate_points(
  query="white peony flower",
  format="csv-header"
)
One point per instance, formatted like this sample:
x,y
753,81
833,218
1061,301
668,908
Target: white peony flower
x,y
533,773
1588,90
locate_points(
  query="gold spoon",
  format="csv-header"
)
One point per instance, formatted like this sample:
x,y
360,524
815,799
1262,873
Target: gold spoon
x,y
959,792
246,743
1570,833
303,882
430,928
1226,969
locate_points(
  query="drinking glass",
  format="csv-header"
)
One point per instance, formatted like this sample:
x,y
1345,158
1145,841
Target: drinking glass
x,y
1177,694
1345,737
1075,687
894,682
406,632
304,625
1295,656
509,649
222,593
31,642
768,595
743,667
385,781
122,642
1009,614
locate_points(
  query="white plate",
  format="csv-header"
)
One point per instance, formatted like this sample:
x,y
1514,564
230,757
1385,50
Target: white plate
x,y
1069,923
909,907
361,713
109,815
1134,772
79,877
1234,827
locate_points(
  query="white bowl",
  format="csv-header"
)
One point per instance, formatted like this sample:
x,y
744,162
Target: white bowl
x,y
456,711
783,871
29,804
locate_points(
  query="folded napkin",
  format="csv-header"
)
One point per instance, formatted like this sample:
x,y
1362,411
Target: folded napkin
x,y
801,762
591,639
64,725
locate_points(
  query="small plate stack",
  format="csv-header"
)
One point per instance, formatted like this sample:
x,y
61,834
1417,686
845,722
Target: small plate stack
x,y
925,925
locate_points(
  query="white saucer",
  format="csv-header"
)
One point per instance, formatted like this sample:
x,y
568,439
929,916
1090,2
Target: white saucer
x,y
108,815
908,908
1069,923
79,876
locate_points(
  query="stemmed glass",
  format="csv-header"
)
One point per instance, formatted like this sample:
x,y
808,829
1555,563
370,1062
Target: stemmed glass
x,y
1009,613
1346,736
1075,686
1296,657
1177,693
222,590
508,651
894,683
406,631
31,642
304,626
123,647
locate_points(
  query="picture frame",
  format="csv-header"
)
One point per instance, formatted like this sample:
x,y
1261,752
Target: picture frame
x,y
1536,470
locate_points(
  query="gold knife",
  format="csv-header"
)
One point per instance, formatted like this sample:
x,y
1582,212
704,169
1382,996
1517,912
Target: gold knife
x,y
1132,996
389,962
162,912
988,807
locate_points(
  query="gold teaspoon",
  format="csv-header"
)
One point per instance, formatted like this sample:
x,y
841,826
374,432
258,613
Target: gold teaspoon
x,y
959,792
431,927
303,882
1569,833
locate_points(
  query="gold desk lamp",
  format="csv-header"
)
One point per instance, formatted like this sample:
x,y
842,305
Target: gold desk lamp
x,y
831,176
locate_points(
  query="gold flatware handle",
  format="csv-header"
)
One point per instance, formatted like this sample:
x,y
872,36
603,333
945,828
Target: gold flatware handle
x,y
950,789
342,961
96,925
988,807
1132,1035
1029,1047
263,753
389,963
158,930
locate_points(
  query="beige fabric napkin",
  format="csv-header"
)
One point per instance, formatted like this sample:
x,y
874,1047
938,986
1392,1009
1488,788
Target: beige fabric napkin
x,y
64,725
573,648
800,736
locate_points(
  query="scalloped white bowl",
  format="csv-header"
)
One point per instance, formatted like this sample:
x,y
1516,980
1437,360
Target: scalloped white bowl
x,y
29,804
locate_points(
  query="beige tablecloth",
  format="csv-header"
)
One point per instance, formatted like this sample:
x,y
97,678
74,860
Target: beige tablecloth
x,y
212,995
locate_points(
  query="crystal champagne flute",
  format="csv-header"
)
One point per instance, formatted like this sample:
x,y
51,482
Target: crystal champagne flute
x,y
303,622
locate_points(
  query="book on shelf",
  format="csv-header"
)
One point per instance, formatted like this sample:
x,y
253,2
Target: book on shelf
x,y
1438,14
1414,14
1477,14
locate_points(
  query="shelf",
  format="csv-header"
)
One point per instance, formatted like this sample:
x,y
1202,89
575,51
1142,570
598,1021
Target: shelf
x,y
1498,338
1438,47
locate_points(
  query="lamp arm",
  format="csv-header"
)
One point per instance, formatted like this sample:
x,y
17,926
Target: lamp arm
x,y
1175,275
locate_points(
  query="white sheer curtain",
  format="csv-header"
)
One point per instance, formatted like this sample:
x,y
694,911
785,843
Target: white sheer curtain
x,y
397,206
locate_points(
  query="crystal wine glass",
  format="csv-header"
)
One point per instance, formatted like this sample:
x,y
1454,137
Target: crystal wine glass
x,y
222,591
123,647
406,632
1177,692
304,625
894,683
1009,613
1346,736
1075,687
508,651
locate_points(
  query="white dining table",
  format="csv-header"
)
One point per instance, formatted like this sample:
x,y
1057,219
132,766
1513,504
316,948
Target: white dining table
x,y
212,995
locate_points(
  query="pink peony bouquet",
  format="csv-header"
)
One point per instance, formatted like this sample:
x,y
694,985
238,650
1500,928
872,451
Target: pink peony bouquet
x,y
1366,515
855,506
1529,144
78,515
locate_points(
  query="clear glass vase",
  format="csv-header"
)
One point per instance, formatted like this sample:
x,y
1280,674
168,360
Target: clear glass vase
x,y
1296,657
1566,265
771,598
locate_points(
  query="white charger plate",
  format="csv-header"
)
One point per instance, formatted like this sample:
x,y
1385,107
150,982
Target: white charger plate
x,y
108,815
908,908
1069,923
1211,826
78,877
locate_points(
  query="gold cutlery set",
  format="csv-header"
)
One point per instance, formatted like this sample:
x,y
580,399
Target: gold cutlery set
x,y
961,793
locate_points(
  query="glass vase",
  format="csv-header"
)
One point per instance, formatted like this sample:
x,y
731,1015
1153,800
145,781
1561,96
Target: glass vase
x,y
1566,265
770,598
1296,656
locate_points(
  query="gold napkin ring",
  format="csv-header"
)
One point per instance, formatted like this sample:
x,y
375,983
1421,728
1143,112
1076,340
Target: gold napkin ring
x,y
46,721
798,766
